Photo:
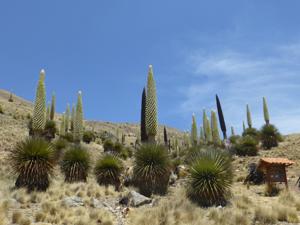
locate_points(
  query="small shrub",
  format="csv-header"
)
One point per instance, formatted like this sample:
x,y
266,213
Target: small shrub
x,y
234,139
75,164
108,146
108,170
151,170
33,161
1,110
270,136
50,130
11,98
247,146
69,137
118,147
59,145
211,178
88,137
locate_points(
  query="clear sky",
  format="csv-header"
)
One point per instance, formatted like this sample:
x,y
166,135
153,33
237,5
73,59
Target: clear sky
x,y
242,50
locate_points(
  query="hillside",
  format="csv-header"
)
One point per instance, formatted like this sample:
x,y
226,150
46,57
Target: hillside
x,y
100,205
15,118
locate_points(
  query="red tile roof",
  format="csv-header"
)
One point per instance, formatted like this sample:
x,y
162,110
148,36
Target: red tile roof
x,y
284,161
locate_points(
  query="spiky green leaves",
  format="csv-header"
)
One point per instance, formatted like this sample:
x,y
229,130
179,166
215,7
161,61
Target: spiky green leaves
x,y
75,164
215,130
52,109
108,170
33,161
210,178
78,121
152,169
269,136
249,119
151,107
39,111
266,111
194,132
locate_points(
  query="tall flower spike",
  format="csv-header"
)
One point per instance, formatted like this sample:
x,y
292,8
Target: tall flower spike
x,y
204,121
221,117
62,130
53,103
232,131
249,119
144,137
39,111
215,129
67,118
78,122
208,135
266,111
194,132
151,107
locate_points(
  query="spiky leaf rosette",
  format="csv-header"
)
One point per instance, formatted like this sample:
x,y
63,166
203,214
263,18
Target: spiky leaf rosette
x,y
266,111
249,119
78,122
33,161
67,118
75,164
221,117
108,170
151,170
269,136
247,146
144,137
39,111
62,130
52,110
211,178
151,107
194,132
215,129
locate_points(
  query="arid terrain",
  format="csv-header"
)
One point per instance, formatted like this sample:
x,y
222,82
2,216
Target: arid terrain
x,y
88,203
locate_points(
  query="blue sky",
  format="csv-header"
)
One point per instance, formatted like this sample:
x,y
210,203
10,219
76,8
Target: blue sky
x,y
242,50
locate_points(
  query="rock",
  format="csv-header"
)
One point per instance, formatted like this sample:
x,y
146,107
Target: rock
x,y
173,178
136,199
124,200
182,171
95,203
73,201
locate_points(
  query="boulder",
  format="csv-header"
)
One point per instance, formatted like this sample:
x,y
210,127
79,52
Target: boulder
x,y
136,199
73,201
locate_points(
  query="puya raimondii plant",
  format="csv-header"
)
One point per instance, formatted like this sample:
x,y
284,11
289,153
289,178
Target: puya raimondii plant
x,y
33,161
151,107
39,111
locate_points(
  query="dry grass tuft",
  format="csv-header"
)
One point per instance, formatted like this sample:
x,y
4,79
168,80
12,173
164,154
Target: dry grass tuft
x,y
264,215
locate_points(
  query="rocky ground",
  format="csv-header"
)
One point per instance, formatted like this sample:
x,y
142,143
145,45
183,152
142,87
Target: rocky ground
x,y
89,203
